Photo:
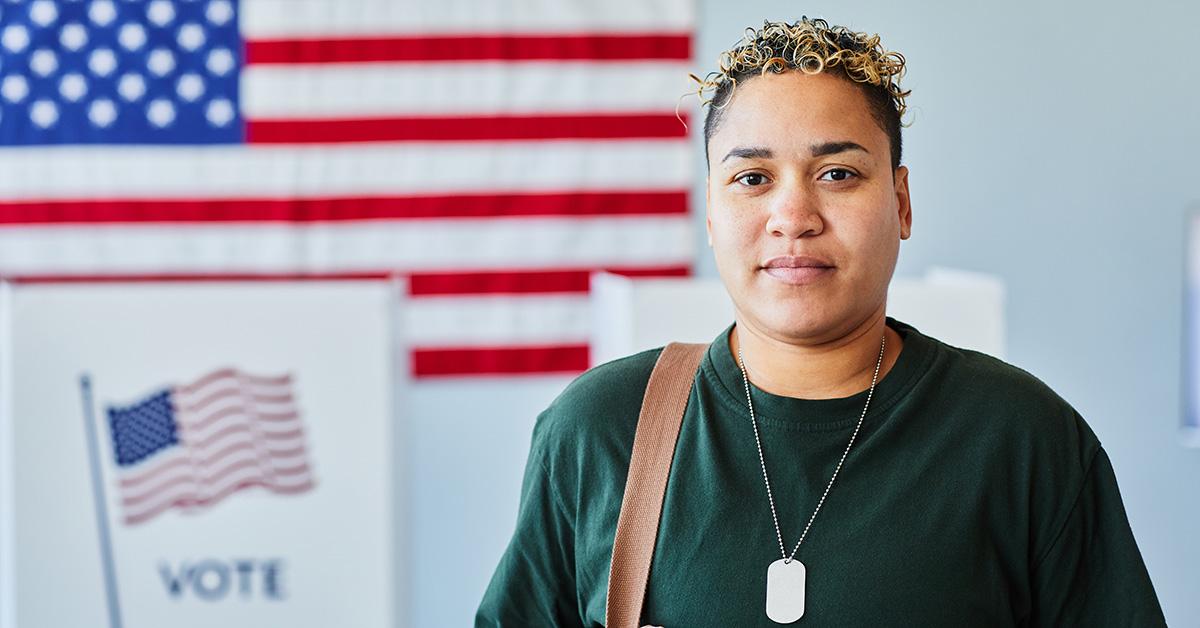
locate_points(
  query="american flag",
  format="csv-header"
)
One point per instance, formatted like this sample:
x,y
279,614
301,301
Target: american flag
x,y
192,446
493,152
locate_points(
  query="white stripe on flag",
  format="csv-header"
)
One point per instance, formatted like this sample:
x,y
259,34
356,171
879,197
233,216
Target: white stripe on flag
x,y
229,381
497,320
398,89
227,421
208,494
177,473
285,18
443,245
138,480
286,171
207,434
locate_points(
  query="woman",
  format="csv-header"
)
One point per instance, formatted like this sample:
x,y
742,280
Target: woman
x,y
893,479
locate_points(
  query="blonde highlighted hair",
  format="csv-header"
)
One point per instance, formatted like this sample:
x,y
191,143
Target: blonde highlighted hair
x,y
811,46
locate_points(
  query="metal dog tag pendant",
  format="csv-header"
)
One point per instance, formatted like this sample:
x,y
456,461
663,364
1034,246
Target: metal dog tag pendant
x,y
785,591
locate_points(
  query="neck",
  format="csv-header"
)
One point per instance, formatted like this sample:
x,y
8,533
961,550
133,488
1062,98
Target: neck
x,y
823,369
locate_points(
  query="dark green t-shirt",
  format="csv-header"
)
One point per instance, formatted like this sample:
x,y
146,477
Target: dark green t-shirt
x,y
973,496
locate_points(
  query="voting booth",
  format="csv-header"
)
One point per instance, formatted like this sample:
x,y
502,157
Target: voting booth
x,y
964,309
231,452
199,454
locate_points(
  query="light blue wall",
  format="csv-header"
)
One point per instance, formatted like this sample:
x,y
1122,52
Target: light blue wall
x,y
468,442
1053,144
1057,145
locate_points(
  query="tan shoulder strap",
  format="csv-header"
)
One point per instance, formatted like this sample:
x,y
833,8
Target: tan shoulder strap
x,y
641,507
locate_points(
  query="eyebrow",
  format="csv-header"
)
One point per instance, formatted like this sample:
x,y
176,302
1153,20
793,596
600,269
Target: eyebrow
x,y
831,148
749,152
817,150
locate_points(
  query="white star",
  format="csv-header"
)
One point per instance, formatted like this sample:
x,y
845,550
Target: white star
x,y
102,112
219,12
191,36
73,36
132,36
219,112
190,87
73,86
161,113
131,87
14,88
15,37
220,61
102,62
44,113
161,62
102,12
43,12
43,62
160,12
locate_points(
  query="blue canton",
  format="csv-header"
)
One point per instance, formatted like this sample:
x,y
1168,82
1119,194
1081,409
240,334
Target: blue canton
x,y
120,72
140,430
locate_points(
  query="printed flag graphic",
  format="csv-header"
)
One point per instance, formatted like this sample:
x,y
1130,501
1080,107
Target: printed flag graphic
x,y
192,446
493,153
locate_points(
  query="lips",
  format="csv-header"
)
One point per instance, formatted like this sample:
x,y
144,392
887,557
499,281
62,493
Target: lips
x,y
797,261
798,270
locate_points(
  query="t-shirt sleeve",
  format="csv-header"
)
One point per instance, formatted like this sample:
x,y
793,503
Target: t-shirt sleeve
x,y
1093,573
534,584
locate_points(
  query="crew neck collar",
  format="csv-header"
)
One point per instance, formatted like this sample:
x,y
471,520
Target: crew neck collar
x,y
721,368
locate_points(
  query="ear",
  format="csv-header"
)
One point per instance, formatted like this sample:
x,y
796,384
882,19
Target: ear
x,y
903,202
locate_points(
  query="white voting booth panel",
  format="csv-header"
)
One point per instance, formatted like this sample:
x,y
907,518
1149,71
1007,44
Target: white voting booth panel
x,y
229,463
960,308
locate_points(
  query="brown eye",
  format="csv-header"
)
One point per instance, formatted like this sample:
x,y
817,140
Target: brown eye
x,y
839,174
751,179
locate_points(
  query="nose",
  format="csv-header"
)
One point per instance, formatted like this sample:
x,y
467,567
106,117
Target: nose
x,y
794,212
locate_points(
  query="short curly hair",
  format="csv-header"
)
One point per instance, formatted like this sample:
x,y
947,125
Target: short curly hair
x,y
811,46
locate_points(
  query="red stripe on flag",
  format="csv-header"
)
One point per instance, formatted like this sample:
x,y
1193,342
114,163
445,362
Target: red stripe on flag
x,y
468,128
341,209
465,282
208,501
197,277
135,482
524,282
499,360
236,393
582,47
236,378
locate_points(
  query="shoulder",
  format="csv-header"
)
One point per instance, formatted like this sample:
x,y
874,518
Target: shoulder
x,y
993,379
598,408
601,385
1010,404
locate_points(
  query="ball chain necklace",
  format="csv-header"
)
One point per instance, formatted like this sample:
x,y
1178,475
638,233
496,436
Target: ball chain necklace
x,y
786,576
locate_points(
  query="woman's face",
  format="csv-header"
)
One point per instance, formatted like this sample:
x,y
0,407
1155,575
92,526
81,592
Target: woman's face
x,y
804,211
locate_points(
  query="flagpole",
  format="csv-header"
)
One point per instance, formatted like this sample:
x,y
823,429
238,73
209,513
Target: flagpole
x,y
110,579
